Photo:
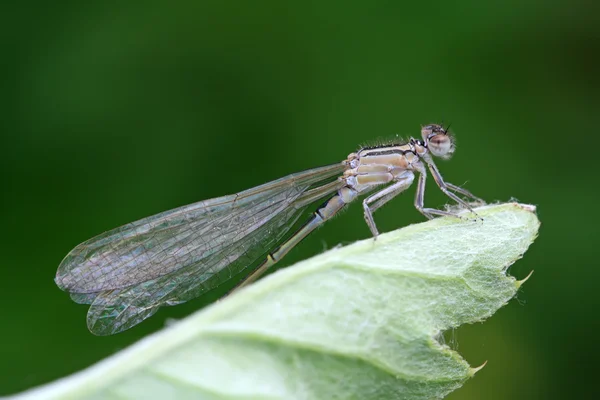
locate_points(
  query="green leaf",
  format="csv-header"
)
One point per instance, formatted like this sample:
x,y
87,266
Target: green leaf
x,y
358,322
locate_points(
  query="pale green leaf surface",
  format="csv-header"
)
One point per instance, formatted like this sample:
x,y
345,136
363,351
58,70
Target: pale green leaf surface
x,y
358,322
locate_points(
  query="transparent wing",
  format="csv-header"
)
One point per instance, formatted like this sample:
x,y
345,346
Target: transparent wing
x,y
160,244
116,310
174,256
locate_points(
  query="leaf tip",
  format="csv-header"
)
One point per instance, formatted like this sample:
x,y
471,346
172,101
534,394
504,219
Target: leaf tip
x,y
475,370
522,281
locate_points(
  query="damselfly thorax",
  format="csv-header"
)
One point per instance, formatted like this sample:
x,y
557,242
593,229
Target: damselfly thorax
x,y
127,273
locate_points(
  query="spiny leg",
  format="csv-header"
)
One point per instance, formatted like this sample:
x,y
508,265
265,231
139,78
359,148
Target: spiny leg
x,y
445,188
377,200
420,200
464,192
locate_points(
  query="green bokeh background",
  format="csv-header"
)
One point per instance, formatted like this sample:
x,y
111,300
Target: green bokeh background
x,y
112,112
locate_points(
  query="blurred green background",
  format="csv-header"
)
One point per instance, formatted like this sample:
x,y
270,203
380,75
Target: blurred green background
x,y
115,111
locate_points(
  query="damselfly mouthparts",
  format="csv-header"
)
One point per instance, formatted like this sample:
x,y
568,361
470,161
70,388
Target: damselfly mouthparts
x,y
128,273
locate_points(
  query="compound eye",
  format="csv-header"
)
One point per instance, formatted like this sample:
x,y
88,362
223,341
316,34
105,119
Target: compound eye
x,y
428,130
440,145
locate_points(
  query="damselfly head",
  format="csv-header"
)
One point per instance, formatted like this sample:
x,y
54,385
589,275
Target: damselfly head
x,y
438,141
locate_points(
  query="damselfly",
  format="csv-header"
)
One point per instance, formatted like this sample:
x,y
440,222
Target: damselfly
x,y
128,273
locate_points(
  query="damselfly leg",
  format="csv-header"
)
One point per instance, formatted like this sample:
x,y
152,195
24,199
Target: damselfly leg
x,y
377,200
